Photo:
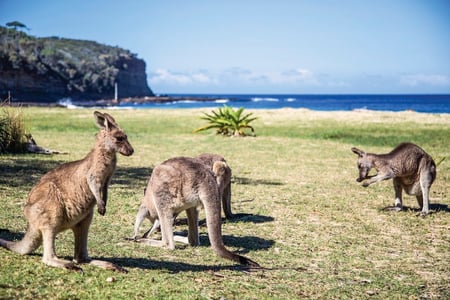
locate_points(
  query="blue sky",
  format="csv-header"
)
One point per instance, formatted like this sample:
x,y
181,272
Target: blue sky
x,y
264,46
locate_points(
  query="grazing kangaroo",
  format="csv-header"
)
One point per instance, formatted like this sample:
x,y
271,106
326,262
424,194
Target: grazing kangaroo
x,y
223,180
185,183
65,197
410,167
222,173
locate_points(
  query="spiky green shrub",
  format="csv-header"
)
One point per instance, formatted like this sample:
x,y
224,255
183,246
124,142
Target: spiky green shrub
x,y
228,121
12,130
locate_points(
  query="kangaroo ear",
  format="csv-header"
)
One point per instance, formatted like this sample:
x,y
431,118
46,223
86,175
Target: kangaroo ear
x,y
100,119
104,120
360,153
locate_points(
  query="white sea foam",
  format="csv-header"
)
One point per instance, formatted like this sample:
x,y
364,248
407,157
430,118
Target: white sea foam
x,y
222,100
67,103
258,99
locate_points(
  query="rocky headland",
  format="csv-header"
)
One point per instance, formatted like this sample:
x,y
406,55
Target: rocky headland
x,y
44,70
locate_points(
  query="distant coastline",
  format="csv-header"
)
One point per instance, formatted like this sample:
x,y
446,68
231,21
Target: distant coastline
x,y
439,103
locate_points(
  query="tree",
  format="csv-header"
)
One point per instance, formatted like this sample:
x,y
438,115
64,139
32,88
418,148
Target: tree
x,y
17,24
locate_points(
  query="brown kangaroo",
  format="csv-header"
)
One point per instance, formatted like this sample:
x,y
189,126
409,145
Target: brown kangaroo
x,y
185,183
223,179
65,197
410,167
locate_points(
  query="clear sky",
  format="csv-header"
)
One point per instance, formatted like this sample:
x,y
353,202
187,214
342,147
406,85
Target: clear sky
x,y
262,46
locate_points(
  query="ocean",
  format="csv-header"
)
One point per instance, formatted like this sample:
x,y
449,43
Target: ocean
x,y
418,103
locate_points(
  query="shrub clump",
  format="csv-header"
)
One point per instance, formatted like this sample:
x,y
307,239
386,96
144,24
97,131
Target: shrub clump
x,y
12,130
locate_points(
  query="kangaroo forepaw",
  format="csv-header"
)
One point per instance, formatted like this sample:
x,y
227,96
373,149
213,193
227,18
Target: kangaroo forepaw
x,y
73,267
422,214
107,265
393,208
118,269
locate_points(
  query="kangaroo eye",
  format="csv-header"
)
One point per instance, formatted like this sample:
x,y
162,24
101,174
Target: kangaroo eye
x,y
121,138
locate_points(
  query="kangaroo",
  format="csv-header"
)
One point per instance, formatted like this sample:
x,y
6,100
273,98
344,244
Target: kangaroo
x,y
65,197
223,181
185,183
410,167
222,173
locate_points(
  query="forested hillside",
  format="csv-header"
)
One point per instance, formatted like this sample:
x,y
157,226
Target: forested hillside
x,y
48,69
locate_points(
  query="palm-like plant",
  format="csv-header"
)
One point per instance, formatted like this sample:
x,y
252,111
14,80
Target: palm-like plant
x,y
228,121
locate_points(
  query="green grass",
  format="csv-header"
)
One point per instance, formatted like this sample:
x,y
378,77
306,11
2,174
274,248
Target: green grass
x,y
318,231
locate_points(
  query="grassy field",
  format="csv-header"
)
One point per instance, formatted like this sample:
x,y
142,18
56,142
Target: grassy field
x,y
319,233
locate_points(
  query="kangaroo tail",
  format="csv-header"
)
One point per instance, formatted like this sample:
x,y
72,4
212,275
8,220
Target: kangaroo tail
x,y
214,224
30,242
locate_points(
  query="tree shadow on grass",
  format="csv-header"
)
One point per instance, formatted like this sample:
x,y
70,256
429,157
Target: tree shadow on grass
x,y
249,243
20,172
131,176
25,172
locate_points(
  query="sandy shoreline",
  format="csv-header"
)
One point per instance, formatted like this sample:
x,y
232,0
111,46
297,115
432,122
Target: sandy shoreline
x,y
356,115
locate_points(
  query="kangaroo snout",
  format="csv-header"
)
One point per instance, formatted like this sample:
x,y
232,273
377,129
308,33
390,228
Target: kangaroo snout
x,y
127,151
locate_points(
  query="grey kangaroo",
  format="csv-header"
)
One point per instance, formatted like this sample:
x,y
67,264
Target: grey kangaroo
x,y
410,167
185,183
223,179
65,197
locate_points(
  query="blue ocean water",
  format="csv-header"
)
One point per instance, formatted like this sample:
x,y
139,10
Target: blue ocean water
x,y
419,103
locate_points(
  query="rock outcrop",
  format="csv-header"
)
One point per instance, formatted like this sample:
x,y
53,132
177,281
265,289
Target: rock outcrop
x,y
47,69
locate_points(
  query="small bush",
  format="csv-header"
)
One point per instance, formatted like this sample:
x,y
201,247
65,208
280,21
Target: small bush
x,y
12,130
228,121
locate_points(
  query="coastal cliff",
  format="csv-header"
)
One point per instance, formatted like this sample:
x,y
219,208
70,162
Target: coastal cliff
x,y
48,69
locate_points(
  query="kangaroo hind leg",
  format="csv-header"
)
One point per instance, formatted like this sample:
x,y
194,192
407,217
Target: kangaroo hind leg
x,y
427,177
81,253
49,257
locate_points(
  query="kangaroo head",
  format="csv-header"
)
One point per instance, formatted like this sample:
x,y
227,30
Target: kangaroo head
x,y
114,137
364,164
222,173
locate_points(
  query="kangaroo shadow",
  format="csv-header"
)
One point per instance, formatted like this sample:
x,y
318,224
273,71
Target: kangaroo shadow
x,y
11,236
237,218
133,262
248,218
434,207
171,266
249,181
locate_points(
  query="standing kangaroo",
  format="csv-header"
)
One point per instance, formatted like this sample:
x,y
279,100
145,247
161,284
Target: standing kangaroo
x,y
222,172
410,167
65,197
185,183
